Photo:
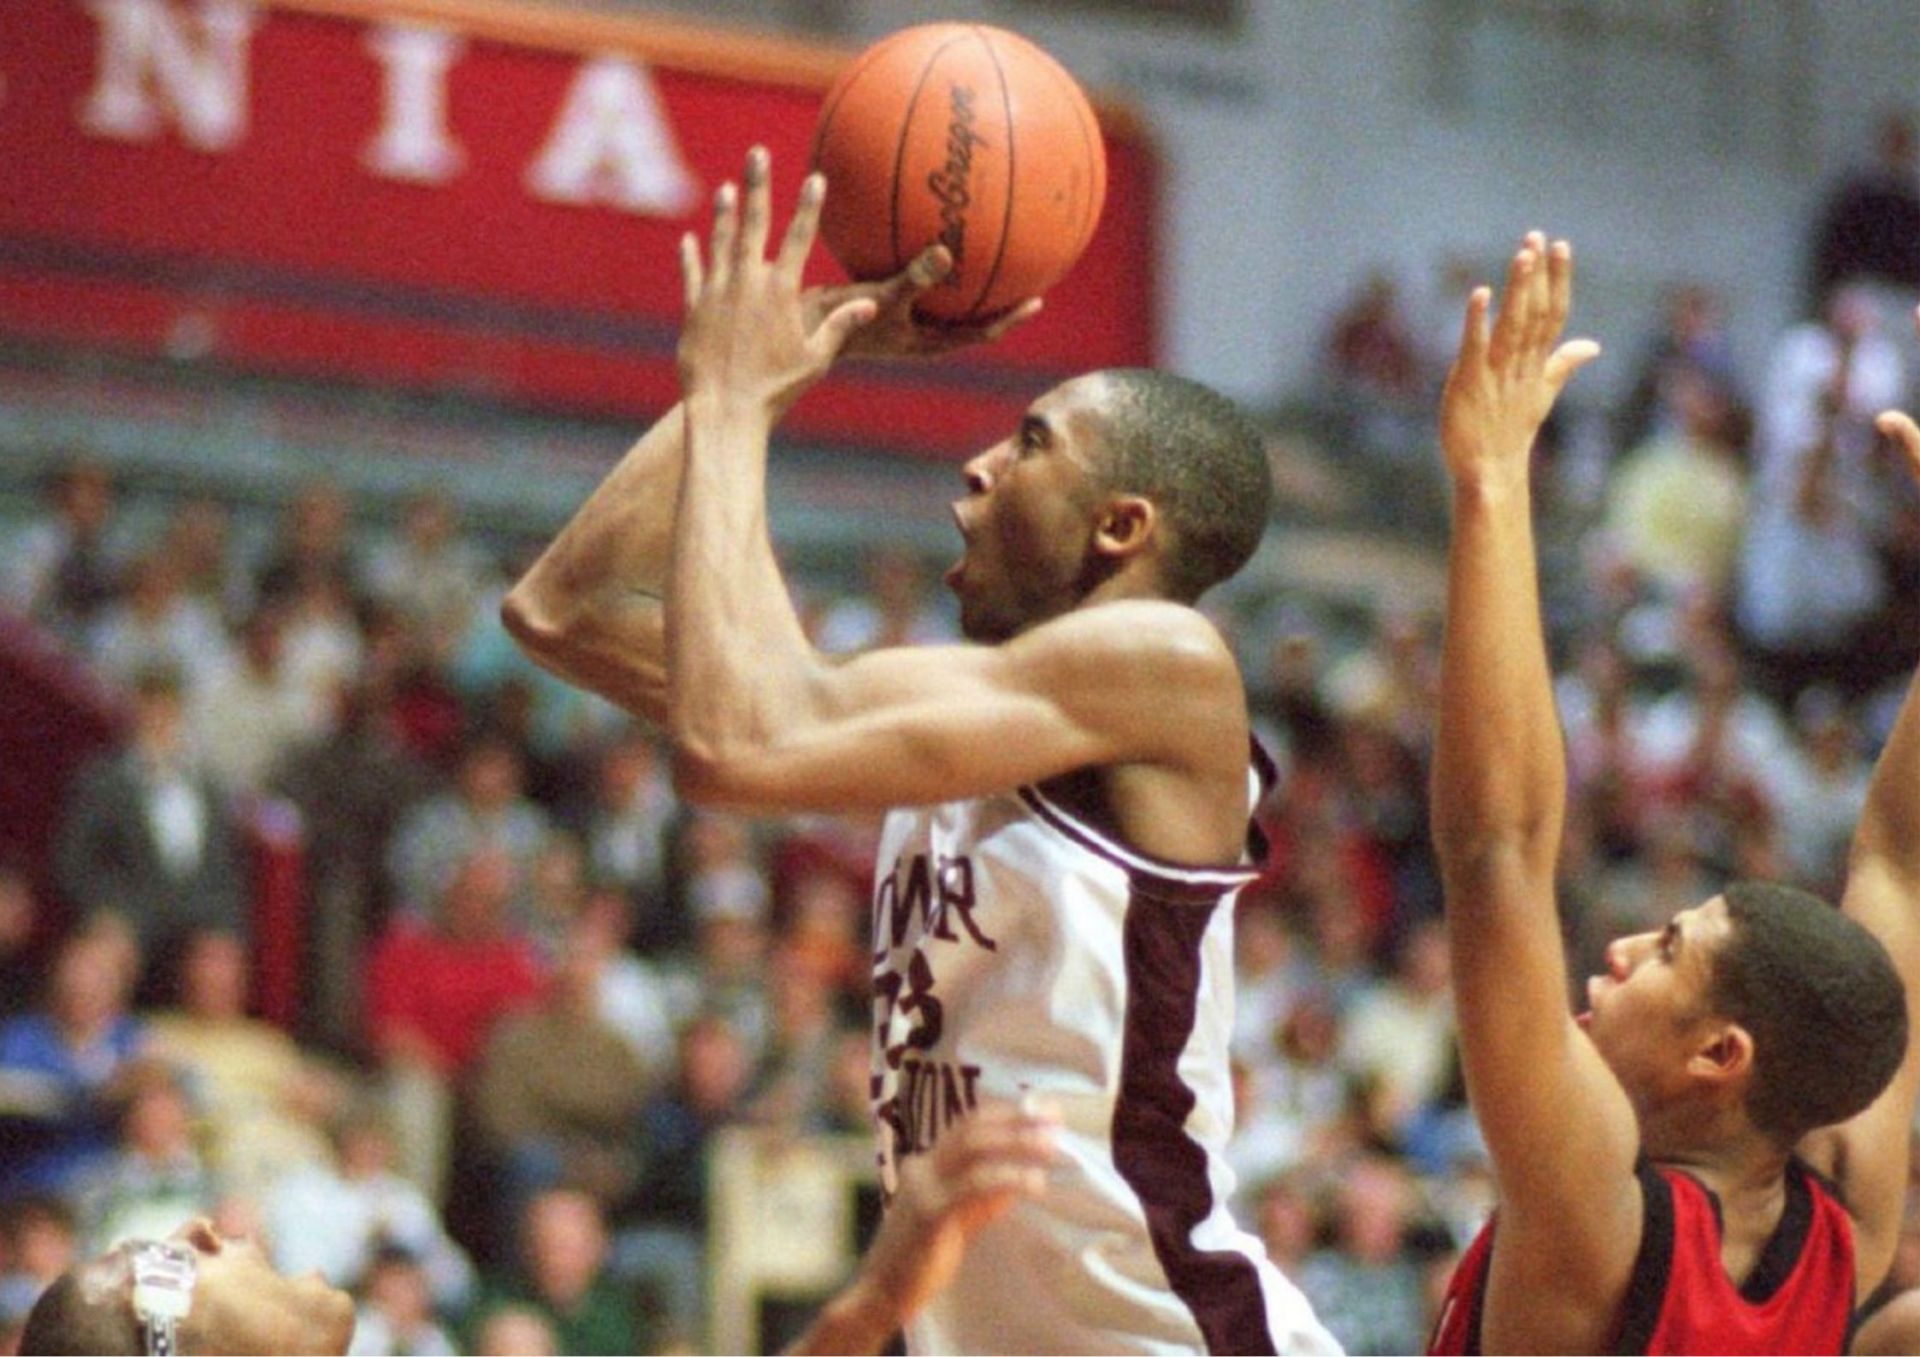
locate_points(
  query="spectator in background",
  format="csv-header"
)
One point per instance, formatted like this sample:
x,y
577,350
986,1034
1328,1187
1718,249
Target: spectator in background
x,y
556,1093
1690,350
1373,367
39,1240
335,1217
19,933
260,1102
795,1078
58,1068
1816,787
635,999
247,715
59,571
662,1228
396,1317
430,573
434,995
147,835
157,624
563,1276
1870,227
514,1331
1293,1102
154,1182
895,609
1368,1288
197,541
1677,505
1398,1038
626,828
485,810
312,547
1811,578
352,786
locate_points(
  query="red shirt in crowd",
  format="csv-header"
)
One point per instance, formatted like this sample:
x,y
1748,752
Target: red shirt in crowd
x,y
449,991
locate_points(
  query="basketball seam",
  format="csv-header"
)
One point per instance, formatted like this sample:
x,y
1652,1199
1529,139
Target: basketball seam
x,y
900,149
1006,214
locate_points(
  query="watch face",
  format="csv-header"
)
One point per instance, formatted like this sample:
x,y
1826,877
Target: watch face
x,y
163,1278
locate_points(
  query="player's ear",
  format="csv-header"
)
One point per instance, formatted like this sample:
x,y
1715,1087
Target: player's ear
x,y
1125,526
1726,1054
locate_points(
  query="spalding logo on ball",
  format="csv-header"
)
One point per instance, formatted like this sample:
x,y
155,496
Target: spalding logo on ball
x,y
971,136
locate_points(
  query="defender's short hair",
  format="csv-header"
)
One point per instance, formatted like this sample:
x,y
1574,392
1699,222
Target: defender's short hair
x,y
64,1321
1202,463
1821,998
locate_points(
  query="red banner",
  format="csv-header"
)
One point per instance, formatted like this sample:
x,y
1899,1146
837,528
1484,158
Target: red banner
x,y
456,195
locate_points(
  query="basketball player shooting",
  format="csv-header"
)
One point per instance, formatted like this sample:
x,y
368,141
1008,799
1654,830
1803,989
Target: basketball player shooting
x,y
1713,1157
1053,911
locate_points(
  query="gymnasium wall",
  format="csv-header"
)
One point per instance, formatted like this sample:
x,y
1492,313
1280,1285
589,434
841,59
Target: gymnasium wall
x,y
1306,141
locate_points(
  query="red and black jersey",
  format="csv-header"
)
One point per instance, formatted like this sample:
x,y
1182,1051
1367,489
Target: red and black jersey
x,y
1799,1299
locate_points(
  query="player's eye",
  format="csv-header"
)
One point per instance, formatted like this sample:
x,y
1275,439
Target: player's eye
x,y
1033,435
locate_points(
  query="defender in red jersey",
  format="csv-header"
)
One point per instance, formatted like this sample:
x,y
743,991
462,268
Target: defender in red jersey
x,y
1712,1157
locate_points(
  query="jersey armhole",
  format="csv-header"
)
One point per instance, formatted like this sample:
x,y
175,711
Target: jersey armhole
x,y
1652,1265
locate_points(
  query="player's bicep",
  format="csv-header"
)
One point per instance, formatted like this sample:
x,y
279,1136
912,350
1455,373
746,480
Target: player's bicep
x,y
1558,1125
918,725
908,726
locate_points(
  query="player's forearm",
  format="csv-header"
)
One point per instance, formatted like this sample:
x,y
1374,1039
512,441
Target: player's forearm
x,y
1499,767
1889,830
590,606
857,1320
737,657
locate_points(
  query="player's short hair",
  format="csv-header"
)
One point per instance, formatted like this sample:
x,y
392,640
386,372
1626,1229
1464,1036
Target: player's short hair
x,y
65,1321
1202,463
1822,1001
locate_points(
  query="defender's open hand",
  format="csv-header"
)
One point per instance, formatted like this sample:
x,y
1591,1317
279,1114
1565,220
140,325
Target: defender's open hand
x,y
748,338
1503,384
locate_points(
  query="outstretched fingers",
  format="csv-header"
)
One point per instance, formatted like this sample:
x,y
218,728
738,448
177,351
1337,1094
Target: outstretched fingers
x,y
802,230
692,275
1510,326
1900,427
726,228
1473,332
759,197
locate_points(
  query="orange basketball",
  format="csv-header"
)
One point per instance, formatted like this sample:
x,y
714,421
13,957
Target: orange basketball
x,y
969,135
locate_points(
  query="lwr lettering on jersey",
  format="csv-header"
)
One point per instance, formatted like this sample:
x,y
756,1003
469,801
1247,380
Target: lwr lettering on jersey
x,y
939,889
925,903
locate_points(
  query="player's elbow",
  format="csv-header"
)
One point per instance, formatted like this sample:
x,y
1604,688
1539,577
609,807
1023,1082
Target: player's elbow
x,y
705,775
533,621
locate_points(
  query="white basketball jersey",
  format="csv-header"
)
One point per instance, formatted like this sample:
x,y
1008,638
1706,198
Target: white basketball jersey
x,y
1019,950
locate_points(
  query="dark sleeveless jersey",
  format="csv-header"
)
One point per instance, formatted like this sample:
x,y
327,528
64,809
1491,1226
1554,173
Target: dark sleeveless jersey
x,y
1799,1298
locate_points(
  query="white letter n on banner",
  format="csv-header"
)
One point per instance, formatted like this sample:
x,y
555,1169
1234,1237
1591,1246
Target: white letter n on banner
x,y
611,144
149,57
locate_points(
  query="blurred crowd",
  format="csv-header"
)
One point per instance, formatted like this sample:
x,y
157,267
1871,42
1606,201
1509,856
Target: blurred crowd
x,y
534,985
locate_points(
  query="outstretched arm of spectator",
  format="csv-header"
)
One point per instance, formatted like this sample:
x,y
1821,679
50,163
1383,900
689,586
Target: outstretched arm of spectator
x,y
1868,1156
980,1168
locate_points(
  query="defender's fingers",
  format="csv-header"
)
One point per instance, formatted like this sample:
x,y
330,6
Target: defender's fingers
x,y
726,227
1568,359
803,229
1473,332
759,199
690,270
1509,325
1535,338
836,329
1559,285
1901,429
